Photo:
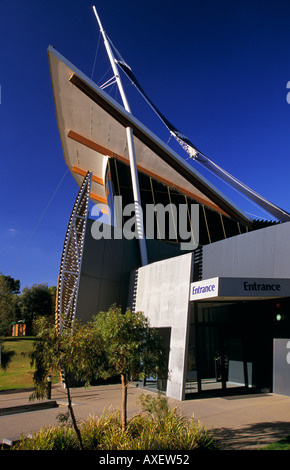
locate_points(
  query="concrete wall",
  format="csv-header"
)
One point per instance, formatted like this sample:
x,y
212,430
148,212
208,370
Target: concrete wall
x,y
281,367
162,293
105,273
161,289
106,268
262,253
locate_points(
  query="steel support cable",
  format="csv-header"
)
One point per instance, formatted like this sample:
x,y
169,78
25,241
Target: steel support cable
x,y
198,156
244,190
238,192
96,54
39,220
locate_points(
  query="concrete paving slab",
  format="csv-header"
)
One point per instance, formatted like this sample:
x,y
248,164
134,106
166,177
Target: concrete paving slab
x,y
242,422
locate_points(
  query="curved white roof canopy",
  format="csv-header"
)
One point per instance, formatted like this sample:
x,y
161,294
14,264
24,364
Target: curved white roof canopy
x,y
92,128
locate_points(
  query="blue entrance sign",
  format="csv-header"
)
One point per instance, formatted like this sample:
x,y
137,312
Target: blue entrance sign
x,y
204,289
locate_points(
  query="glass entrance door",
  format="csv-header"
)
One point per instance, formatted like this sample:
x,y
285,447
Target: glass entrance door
x,y
221,358
212,357
230,346
217,341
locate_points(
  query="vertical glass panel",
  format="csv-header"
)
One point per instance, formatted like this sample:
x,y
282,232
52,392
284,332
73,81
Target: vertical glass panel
x,y
191,383
214,225
231,227
204,238
165,224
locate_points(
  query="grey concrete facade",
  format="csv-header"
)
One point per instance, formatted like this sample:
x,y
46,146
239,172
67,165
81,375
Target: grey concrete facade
x,y
106,269
162,287
262,253
162,293
111,273
105,273
281,366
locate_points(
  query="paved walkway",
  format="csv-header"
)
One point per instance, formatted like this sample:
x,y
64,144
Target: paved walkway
x,y
244,422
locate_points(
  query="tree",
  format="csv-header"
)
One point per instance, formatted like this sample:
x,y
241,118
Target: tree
x,y
36,301
8,303
52,290
133,349
13,284
78,352
112,344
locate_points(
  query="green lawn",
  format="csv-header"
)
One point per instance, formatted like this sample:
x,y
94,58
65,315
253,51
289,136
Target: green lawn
x,y
15,369
284,444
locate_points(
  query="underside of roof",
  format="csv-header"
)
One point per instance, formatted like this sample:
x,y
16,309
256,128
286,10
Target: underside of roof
x,y
92,129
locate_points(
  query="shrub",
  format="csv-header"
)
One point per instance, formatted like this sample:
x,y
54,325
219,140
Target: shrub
x,y
156,427
104,432
55,438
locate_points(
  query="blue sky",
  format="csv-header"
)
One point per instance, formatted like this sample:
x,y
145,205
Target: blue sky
x,y
217,70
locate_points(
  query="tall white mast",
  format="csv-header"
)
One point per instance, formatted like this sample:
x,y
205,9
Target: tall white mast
x,y
131,148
